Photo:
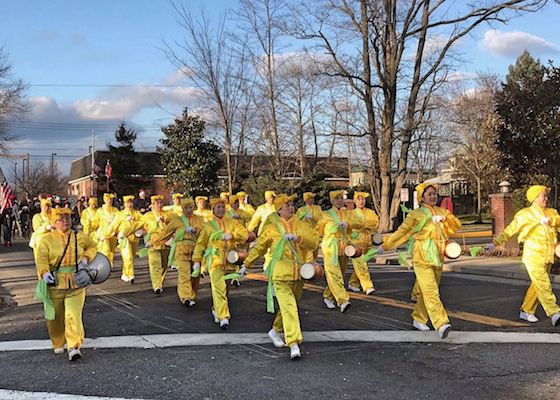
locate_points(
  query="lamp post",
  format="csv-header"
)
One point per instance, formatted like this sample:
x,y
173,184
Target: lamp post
x,y
52,163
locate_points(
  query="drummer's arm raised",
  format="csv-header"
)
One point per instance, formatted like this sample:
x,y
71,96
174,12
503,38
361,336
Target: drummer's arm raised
x,y
402,234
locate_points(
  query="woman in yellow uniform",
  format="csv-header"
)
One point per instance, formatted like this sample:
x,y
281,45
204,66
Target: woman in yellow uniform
x,y
311,214
42,224
104,216
88,218
125,223
429,227
336,226
259,218
217,237
289,238
537,228
154,224
362,237
236,212
184,231
59,253
176,206
244,203
201,209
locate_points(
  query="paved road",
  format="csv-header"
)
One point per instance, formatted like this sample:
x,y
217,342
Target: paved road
x,y
329,369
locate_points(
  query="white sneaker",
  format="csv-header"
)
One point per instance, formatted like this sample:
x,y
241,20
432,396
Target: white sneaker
x,y
413,298
329,304
192,303
173,268
58,350
215,316
528,317
555,319
420,326
295,353
444,330
74,354
370,290
125,278
345,306
276,339
354,288
224,324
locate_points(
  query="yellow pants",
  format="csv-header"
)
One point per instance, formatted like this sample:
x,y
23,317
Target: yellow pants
x,y
360,276
127,255
415,294
157,259
335,277
288,294
540,291
220,292
107,247
429,305
67,327
187,286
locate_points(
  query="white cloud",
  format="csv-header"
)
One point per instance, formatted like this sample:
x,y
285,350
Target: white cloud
x,y
459,76
511,44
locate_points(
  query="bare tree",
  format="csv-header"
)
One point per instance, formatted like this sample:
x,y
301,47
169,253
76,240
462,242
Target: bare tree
x,y
11,99
41,179
367,40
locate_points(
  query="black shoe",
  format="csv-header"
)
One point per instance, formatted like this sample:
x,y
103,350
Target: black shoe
x,y
235,283
158,292
132,281
189,303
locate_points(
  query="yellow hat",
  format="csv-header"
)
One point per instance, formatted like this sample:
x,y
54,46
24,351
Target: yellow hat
x,y
365,195
186,200
534,191
108,197
308,195
92,201
241,195
269,193
155,198
178,196
127,198
214,201
45,202
197,198
335,193
282,199
232,199
421,188
224,196
56,213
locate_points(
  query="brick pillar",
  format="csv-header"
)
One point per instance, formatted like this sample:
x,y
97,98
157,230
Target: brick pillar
x,y
502,214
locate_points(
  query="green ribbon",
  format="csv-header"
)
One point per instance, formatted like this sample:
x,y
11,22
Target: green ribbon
x,y
208,254
370,254
334,241
476,250
42,294
143,252
177,238
124,244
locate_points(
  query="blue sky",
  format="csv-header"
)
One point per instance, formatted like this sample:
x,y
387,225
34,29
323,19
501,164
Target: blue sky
x,y
60,48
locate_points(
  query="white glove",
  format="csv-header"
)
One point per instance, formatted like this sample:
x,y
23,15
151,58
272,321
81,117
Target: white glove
x,y
291,237
436,219
380,249
190,229
235,216
227,236
545,220
49,227
343,225
83,263
490,247
129,218
120,236
159,219
49,278
147,244
242,271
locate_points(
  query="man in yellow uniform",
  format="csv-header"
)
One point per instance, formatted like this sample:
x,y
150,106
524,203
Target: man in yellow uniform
x,y
155,223
259,218
537,228
59,254
184,231
289,238
42,224
311,214
362,237
244,203
125,223
429,227
336,226
217,237
176,206
88,218
201,209
104,216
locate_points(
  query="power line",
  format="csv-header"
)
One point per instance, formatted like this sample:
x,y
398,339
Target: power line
x,y
105,85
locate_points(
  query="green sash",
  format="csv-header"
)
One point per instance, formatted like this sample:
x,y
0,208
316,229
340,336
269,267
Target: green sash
x,y
42,293
177,238
430,247
143,252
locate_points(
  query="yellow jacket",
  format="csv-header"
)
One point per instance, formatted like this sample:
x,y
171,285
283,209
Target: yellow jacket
x,y
88,221
362,236
127,222
187,243
262,212
538,240
176,209
244,216
430,231
287,268
214,247
50,250
40,224
156,224
206,214
104,217
310,214
329,227
247,208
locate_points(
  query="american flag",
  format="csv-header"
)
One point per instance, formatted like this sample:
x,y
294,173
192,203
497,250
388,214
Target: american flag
x,y
6,194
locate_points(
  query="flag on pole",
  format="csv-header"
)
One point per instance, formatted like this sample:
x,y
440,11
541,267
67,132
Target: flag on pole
x,y
6,195
108,171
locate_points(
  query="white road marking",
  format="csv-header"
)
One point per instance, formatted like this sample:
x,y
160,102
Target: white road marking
x,y
218,339
21,395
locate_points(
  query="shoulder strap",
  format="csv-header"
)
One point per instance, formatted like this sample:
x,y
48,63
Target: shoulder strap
x,y
64,253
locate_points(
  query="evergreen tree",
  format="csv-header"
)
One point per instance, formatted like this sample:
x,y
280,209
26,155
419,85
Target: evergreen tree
x,y
123,161
191,164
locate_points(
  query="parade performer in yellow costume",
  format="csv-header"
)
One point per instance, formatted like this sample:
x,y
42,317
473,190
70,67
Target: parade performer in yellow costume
x,y
311,214
259,218
88,218
154,224
537,227
176,206
336,226
104,216
217,237
201,209
289,238
59,253
42,224
236,212
125,224
244,203
429,227
184,231
362,237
